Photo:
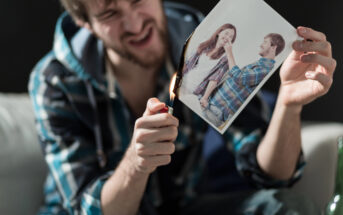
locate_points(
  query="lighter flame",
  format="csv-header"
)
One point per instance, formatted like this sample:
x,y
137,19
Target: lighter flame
x,y
171,88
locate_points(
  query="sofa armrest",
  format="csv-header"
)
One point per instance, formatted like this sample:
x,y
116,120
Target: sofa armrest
x,y
319,142
22,167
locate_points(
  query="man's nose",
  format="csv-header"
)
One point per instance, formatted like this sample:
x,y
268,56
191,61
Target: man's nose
x,y
132,22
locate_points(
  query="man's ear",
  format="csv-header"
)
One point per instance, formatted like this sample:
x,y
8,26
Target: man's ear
x,y
84,24
273,49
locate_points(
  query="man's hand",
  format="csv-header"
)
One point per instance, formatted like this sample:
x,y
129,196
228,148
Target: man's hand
x,y
307,72
151,146
228,47
153,137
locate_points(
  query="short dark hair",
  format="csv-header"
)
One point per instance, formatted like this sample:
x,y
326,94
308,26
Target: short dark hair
x,y
77,8
278,41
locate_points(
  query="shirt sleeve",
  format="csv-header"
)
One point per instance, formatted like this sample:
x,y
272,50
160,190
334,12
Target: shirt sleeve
x,y
243,141
68,148
190,63
249,76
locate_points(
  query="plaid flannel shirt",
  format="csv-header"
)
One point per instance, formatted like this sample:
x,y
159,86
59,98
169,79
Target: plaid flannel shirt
x,y
68,115
239,84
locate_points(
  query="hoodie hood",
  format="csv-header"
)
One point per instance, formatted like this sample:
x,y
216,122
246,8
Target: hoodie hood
x,y
79,51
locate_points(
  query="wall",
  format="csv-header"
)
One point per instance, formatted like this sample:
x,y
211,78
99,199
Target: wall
x,y
26,35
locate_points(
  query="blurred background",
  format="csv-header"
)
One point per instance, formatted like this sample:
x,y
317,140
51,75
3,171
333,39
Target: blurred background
x,y
28,26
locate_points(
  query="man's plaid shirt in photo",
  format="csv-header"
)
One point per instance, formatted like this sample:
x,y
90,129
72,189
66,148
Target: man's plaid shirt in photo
x,y
238,85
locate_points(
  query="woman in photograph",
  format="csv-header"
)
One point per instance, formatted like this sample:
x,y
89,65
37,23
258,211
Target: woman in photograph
x,y
205,69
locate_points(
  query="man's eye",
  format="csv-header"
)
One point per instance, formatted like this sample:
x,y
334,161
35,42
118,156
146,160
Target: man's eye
x,y
108,15
136,1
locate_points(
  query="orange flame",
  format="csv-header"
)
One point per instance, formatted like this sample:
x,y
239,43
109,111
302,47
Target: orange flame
x,y
171,88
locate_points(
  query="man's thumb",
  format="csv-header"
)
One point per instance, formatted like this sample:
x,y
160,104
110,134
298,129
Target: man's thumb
x,y
153,106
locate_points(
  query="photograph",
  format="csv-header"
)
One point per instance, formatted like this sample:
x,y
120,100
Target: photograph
x,y
229,57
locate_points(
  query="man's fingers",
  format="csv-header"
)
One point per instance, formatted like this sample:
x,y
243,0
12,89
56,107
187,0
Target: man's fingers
x,y
324,79
157,121
151,162
310,34
153,106
328,63
156,135
159,160
322,47
150,149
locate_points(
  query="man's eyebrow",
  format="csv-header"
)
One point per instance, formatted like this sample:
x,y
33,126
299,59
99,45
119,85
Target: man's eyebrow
x,y
104,9
100,14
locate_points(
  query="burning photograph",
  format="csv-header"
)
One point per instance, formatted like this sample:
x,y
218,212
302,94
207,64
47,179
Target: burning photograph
x,y
229,57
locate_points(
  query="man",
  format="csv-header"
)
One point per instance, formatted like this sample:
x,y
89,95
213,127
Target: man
x,y
100,141
240,83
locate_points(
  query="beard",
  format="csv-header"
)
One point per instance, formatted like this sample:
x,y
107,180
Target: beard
x,y
153,58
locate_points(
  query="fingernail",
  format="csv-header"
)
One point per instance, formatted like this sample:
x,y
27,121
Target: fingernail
x,y
298,44
302,30
153,100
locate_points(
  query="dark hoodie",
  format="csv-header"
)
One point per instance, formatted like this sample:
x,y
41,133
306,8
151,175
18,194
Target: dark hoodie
x,y
84,132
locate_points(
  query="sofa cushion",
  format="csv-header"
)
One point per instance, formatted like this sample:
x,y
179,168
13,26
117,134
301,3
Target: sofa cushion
x,y
319,142
22,167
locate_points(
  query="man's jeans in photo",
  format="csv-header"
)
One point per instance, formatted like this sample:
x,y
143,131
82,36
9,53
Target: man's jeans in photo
x,y
213,114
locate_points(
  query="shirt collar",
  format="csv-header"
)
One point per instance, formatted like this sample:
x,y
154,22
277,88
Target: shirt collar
x,y
162,91
267,62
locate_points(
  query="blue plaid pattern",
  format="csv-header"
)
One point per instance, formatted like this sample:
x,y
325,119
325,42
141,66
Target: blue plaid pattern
x,y
239,84
65,123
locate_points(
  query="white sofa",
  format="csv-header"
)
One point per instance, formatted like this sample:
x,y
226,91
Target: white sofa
x,y
22,168
319,143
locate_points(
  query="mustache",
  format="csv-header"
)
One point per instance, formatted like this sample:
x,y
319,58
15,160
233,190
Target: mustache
x,y
145,24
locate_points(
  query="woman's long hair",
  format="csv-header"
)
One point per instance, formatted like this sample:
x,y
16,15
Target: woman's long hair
x,y
208,45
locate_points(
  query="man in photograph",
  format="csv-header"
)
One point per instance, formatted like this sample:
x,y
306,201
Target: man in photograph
x,y
238,83
111,150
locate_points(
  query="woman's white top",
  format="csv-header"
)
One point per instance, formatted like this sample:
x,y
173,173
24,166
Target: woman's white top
x,y
195,76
